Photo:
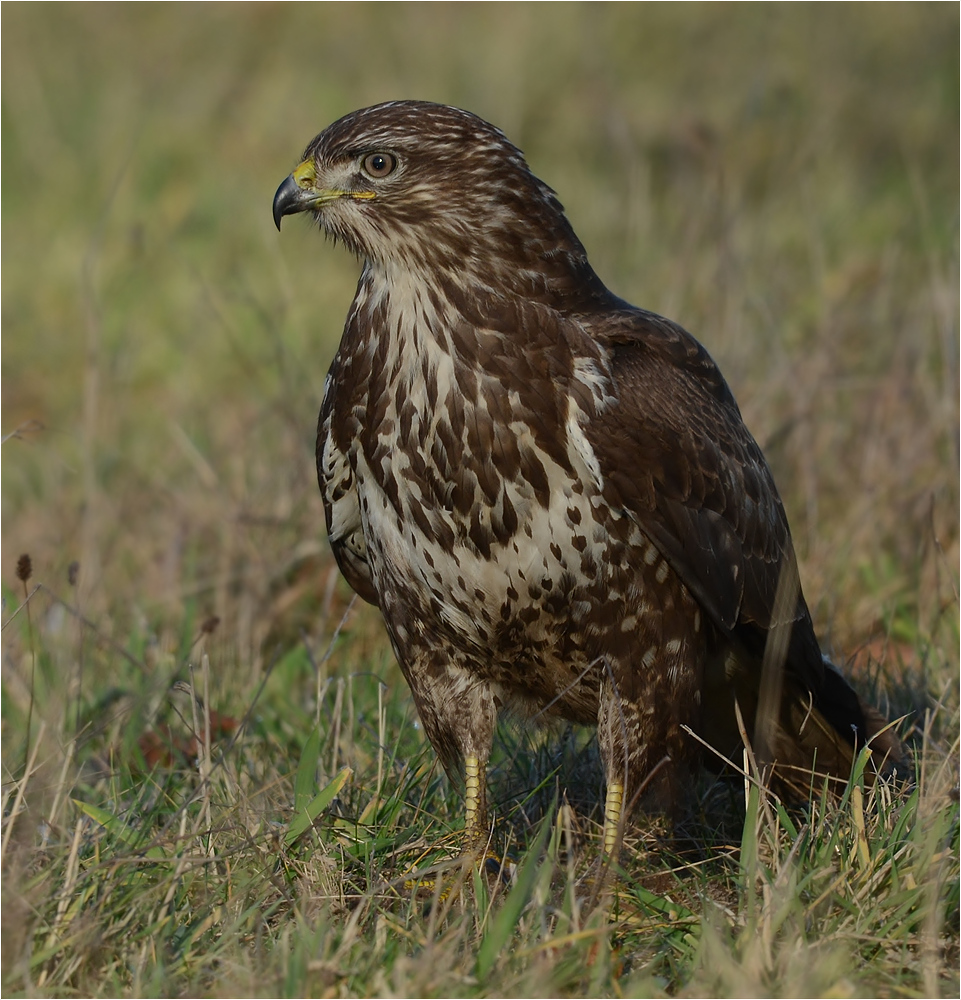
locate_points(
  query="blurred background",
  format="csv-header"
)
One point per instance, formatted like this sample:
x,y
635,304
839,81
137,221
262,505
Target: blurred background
x,y
781,179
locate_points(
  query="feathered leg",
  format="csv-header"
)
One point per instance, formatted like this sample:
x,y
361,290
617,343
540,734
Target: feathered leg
x,y
646,698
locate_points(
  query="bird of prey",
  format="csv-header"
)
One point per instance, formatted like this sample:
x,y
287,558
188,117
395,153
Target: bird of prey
x,y
549,493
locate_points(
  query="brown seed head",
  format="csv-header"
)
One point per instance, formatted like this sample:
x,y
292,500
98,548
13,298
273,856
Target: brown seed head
x,y
24,568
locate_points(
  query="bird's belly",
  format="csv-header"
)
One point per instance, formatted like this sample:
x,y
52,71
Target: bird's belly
x,y
522,611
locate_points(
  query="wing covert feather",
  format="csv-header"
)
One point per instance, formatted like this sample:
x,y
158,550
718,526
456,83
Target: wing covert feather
x,y
675,453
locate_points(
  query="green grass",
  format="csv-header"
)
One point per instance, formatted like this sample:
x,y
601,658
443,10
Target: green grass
x,y
781,179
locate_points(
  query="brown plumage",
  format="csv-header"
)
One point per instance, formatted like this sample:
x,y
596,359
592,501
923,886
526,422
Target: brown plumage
x,y
549,493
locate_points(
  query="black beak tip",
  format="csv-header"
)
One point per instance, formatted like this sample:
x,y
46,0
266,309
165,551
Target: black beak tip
x,y
285,200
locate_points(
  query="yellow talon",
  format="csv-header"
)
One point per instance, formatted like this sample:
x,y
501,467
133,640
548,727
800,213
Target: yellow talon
x,y
495,868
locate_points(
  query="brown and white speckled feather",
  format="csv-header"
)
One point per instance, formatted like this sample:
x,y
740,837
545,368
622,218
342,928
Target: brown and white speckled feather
x,y
549,493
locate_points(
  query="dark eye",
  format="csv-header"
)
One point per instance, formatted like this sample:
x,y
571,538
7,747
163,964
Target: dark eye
x,y
379,164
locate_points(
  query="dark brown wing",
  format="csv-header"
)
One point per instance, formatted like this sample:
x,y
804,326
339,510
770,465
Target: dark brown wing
x,y
675,453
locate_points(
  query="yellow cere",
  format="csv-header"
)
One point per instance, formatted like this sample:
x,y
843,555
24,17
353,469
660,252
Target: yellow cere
x,y
305,174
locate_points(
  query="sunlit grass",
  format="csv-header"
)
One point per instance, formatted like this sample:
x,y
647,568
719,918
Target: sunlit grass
x,y
781,179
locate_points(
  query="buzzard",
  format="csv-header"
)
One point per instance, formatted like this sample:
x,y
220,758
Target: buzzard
x,y
549,493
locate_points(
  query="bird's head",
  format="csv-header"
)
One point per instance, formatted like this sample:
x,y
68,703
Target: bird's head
x,y
425,186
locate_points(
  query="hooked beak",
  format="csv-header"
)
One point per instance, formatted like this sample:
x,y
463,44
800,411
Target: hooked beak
x,y
290,198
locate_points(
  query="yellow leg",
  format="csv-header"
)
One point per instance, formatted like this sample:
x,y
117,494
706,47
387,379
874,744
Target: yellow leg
x,y
475,774
475,830
613,807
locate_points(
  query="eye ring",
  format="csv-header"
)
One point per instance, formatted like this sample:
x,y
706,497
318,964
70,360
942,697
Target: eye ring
x,y
379,165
